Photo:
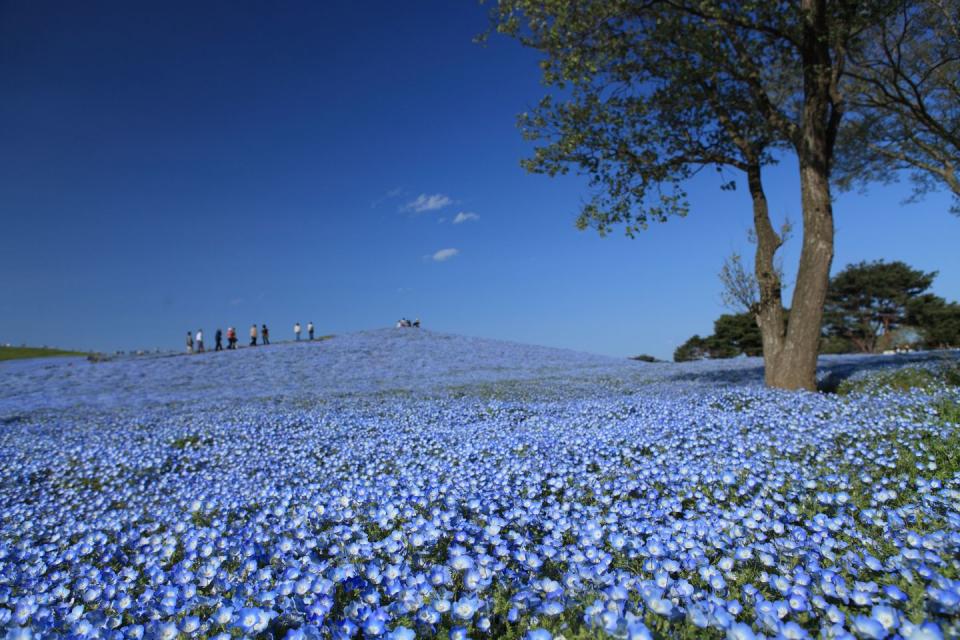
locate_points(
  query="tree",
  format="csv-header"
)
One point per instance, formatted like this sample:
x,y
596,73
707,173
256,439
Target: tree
x,y
905,99
937,320
736,334
733,335
696,348
741,290
869,299
651,91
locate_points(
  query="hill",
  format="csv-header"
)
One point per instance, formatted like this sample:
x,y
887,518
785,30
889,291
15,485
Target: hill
x,y
383,362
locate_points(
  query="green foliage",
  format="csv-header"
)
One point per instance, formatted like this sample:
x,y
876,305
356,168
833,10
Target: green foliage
x,y
733,335
193,440
836,344
870,299
18,353
696,348
643,357
901,380
736,334
643,97
937,320
945,376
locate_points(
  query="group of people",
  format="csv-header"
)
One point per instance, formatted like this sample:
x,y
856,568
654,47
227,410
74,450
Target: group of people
x,y
403,322
195,342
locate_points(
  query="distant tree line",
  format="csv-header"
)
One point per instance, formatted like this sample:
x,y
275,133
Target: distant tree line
x,y
870,307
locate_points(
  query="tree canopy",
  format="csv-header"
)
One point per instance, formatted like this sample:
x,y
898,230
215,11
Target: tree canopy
x,y
904,99
937,320
868,299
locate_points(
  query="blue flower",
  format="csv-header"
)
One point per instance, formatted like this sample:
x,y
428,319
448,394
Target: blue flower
x,y
465,608
740,631
401,633
869,628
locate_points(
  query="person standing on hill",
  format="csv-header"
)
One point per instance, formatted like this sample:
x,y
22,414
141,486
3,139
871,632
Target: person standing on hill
x,y
296,330
218,338
231,338
199,340
253,335
189,342
265,334
310,330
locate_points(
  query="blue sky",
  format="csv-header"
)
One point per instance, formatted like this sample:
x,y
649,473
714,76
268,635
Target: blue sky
x,y
224,163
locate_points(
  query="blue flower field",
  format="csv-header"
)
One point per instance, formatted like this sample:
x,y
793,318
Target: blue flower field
x,y
403,483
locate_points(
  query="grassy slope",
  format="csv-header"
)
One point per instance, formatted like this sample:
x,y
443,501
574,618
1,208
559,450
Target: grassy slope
x,y
18,353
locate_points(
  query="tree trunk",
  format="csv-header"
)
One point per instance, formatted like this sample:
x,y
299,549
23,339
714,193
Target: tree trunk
x,y
769,310
796,366
798,362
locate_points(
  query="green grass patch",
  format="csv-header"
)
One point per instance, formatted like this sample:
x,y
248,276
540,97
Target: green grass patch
x,y
22,353
904,380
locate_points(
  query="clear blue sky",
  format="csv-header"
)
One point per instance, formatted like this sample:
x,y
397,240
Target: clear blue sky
x,y
181,165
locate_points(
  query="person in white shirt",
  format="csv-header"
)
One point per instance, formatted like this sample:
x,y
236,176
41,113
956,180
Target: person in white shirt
x,y
310,330
200,341
296,330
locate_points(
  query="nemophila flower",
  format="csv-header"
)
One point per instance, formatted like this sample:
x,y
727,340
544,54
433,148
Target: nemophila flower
x,y
250,620
401,633
345,629
661,606
869,628
538,634
167,631
374,626
925,631
429,616
792,631
697,616
465,608
740,631
894,593
887,616
472,580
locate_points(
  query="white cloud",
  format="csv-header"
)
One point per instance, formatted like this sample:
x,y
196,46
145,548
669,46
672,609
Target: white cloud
x,y
465,216
445,254
424,202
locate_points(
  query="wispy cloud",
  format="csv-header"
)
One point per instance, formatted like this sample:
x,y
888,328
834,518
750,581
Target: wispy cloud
x,y
425,202
389,195
465,216
445,254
